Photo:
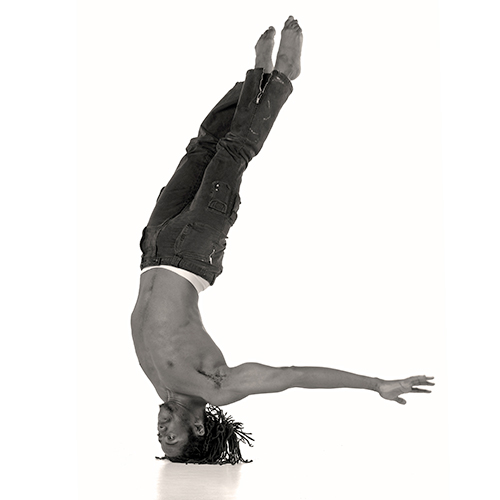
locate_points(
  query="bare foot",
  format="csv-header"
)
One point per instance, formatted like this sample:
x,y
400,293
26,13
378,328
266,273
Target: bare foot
x,y
264,50
288,58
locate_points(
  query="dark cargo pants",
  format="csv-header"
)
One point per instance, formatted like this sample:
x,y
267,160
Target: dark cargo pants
x,y
195,210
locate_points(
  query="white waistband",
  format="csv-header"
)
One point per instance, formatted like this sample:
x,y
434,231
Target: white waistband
x,y
197,281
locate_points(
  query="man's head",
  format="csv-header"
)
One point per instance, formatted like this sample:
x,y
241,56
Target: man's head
x,y
187,439
176,427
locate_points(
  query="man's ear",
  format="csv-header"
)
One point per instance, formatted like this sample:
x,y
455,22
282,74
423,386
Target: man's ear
x,y
199,429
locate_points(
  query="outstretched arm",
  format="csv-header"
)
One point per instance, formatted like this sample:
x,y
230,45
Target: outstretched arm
x,y
254,378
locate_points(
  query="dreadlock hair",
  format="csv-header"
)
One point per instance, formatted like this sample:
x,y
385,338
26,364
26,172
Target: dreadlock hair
x,y
220,445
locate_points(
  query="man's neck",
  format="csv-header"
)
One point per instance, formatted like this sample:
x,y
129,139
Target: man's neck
x,y
193,404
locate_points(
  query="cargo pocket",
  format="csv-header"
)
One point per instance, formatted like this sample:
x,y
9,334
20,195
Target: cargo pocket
x,y
201,242
219,197
148,241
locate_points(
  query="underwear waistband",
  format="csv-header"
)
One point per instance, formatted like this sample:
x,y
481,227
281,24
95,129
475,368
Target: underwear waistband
x,y
197,281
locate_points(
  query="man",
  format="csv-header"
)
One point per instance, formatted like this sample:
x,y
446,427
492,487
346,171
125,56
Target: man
x,y
183,246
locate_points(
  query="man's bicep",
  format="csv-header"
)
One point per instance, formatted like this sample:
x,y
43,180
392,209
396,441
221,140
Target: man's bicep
x,y
253,378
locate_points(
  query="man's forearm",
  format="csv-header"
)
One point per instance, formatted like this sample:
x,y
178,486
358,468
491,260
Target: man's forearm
x,y
311,377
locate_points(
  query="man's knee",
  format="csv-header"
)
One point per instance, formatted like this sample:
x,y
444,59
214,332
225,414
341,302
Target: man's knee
x,y
239,148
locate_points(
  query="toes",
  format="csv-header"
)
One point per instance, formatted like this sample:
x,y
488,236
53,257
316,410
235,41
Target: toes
x,y
292,23
269,33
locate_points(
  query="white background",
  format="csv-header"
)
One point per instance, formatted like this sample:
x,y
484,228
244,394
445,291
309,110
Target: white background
x,y
365,241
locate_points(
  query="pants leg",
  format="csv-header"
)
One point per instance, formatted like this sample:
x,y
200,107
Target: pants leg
x,y
186,180
261,99
195,239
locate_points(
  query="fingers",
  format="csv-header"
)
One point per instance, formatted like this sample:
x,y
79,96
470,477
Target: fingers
x,y
421,380
401,401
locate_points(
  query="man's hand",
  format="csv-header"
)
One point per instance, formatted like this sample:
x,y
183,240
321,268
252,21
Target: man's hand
x,y
392,389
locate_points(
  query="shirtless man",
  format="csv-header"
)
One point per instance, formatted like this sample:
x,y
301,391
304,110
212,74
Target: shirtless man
x,y
183,245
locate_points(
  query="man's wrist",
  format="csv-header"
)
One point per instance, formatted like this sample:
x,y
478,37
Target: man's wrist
x,y
375,384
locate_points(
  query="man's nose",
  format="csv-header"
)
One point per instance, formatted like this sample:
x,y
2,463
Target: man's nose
x,y
163,425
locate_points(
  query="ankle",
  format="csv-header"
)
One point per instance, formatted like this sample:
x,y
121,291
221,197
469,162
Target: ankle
x,y
284,65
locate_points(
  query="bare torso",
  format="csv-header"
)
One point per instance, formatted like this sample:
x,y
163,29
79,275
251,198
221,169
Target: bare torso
x,y
173,347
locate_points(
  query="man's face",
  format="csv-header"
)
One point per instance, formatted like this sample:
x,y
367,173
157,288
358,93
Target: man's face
x,y
173,428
